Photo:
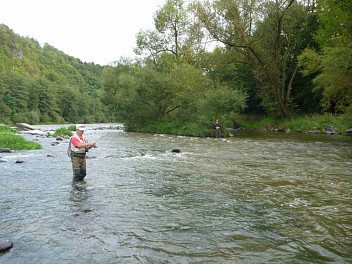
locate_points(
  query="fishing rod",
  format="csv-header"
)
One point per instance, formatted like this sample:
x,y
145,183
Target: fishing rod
x,y
95,146
99,139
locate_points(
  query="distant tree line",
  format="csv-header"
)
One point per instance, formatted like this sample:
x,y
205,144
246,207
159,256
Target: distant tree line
x,y
277,58
44,85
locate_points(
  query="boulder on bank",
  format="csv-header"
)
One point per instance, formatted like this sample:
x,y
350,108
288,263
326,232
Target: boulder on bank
x,y
28,129
35,132
349,132
25,126
5,150
314,130
331,130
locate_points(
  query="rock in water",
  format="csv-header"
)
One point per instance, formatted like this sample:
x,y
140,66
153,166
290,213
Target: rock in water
x,y
176,151
5,245
25,126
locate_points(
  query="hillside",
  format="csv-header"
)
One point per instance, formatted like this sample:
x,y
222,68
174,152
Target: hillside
x,y
41,84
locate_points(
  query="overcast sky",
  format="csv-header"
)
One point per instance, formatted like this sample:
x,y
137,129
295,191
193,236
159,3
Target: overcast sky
x,y
99,31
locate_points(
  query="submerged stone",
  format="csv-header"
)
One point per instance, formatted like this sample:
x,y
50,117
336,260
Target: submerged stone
x,y
5,245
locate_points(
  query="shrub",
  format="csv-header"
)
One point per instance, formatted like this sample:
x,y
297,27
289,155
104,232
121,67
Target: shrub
x,y
63,132
8,139
72,128
6,129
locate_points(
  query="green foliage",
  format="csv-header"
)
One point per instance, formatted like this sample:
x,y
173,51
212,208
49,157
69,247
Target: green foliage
x,y
331,63
72,128
44,85
8,139
168,92
6,129
176,84
174,34
62,131
178,128
268,36
222,101
299,123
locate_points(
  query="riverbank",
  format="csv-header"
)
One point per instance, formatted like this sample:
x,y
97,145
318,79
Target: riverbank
x,y
11,141
317,124
326,123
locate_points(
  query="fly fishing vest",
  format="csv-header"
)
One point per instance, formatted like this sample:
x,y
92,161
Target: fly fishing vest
x,y
73,151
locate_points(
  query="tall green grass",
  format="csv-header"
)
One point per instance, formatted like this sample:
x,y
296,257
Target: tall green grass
x,y
295,124
62,131
299,123
9,139
177,128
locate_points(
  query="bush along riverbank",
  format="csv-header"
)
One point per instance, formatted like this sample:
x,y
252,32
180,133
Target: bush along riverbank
x,y
316,124
9,140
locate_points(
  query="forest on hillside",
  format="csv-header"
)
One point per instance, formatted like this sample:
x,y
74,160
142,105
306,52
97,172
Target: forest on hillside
x,y
40,84
278,58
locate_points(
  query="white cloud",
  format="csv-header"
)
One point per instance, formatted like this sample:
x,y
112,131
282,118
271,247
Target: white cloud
x,y
94,31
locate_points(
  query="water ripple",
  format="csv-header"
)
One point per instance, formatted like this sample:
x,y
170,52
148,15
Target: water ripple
x,y
237,200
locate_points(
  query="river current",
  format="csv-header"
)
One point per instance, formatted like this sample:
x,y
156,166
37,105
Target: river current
x,y
268,198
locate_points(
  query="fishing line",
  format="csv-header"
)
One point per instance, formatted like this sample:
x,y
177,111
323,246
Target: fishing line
x,y
101,137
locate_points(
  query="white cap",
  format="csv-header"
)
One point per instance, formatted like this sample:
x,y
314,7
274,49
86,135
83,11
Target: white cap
x,y
80,127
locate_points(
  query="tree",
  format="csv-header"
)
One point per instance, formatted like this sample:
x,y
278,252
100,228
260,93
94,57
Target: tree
x,y
262,35
331,63
111,85
221,67
15,92
174,33
36,82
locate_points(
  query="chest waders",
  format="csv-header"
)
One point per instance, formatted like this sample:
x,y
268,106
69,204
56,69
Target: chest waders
x,y
78,159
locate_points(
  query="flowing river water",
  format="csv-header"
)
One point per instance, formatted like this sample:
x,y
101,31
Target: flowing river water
x,y
264,198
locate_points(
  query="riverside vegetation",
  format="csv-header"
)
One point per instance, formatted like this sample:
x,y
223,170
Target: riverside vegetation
x,y
302,124
280,60
298,124
9,139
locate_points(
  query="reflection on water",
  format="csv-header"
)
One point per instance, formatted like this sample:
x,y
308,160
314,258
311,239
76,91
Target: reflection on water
x,y
261,199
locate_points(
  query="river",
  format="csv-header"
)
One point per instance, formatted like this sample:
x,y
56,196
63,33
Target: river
x,y
263,198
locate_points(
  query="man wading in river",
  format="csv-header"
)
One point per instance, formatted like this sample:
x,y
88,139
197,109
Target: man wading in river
x,y
78,147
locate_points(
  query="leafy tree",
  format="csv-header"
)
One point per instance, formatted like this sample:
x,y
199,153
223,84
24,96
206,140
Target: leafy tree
x,y
70,103
220,66
111,85
5,110
15,94
168,91
174,33
331,63
262,35
44,84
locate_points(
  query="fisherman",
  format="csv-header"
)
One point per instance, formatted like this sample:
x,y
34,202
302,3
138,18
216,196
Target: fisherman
x,y
217,129
78,147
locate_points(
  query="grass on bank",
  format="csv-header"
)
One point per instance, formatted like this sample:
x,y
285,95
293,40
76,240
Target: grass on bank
x,y
62,131
298,123
177,128
9,139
